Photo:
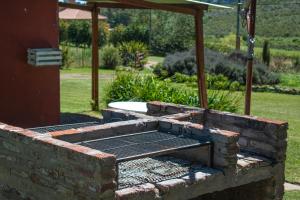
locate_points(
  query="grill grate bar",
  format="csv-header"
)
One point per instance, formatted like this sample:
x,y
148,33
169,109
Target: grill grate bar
x,y
49,129
146,144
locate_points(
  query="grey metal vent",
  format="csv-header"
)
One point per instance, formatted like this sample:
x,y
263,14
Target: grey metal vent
x,y
44,57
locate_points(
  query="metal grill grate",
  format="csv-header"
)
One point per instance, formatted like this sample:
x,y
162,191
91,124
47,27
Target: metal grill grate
x,y
146,144
49,129
154,170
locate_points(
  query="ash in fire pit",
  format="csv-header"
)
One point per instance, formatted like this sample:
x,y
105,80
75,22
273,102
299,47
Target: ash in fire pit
x,y
154,170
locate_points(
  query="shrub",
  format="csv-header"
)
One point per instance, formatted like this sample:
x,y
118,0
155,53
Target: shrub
x,y
131,54
132,32
297,64
137,87
214,82
169,33
66,58
110,57
232,66
104,33
63,31
160,71
266,54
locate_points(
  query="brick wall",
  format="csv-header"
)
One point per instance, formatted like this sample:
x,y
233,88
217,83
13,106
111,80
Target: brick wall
x,y
257,135
225,142
39,167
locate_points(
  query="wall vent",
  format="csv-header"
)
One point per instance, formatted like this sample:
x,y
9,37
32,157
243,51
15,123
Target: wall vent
x,y
44,57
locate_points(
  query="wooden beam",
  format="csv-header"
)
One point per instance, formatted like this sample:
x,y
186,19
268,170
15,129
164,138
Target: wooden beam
x,y
157,6
200,59
118,5
75,6
127,6
95,58
251,31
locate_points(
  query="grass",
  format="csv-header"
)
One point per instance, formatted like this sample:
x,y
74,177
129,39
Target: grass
x,y
76,94
85,70
290,80
75,97
292,195
156,59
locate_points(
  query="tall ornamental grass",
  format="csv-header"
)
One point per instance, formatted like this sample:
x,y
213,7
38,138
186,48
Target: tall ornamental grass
x,y
138,87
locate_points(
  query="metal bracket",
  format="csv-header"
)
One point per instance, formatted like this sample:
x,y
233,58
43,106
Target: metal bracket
x,y
251,45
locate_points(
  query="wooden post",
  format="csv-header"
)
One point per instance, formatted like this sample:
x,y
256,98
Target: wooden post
x,y
238,34
251,41
200,59
95,58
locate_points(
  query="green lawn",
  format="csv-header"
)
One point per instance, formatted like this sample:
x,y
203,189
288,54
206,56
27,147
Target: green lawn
x,y
76,95
293,195
156,59
85,70
290,80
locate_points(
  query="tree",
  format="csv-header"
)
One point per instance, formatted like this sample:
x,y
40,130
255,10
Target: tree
x,y
266,55
72,33
83,36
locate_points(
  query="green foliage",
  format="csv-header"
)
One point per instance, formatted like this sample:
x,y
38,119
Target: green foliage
x,y
137,87
171,32
117,34
232,66
83,36
291,80
110,57
266,55
63,31
66,58
297,64
214,82
104,33
131,54
132,32
73,33
283,48
168,32
79,33
274,19
276,89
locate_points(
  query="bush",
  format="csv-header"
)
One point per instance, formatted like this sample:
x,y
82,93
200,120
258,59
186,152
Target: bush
x,y
232,66
110,57
132,32
169,32
131,54
297,64
214,82
137,87
66,58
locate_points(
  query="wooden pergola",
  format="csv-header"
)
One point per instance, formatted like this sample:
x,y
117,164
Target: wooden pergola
x,y
189,7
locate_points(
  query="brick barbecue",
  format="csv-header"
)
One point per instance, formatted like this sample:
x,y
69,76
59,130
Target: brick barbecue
x,y
173,152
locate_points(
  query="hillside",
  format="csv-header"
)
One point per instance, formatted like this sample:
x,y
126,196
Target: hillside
x,y
278,20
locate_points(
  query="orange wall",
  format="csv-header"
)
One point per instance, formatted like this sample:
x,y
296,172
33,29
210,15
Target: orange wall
x,y
29,96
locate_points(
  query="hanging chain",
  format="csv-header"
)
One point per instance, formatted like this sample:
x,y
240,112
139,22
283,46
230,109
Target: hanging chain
x,y
247,16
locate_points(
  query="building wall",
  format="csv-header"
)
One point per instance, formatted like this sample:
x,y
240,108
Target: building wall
x,y
29,96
